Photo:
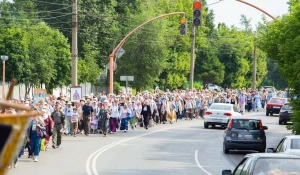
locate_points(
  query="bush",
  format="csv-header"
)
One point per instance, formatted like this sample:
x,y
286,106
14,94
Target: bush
x,y
117,88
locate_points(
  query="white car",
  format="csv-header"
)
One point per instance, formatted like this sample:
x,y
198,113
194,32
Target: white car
x,y
289,144
213,87
219,114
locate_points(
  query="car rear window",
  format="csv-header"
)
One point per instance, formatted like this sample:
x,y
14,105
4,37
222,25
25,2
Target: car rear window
x,y
220,107
277,100
295,144
250,124
286,107
277,166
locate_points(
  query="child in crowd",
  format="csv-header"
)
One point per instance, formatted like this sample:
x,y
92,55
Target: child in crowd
x,y
74,120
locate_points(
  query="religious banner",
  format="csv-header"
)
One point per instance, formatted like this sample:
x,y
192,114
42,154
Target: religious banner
x,y
76,94
39,94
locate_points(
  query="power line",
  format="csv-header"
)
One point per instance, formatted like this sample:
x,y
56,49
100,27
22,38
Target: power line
x,y
215,3
38,12
52,3
29,19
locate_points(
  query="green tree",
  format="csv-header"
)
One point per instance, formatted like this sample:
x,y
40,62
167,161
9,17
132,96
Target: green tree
x,y
208,67
88,69
280,42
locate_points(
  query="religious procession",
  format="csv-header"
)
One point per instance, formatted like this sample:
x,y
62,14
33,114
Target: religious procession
x,y
108,114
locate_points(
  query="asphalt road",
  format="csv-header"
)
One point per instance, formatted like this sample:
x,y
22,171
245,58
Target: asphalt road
x,y
181,148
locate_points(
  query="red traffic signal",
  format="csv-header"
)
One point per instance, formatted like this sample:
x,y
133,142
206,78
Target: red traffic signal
x,y
197,5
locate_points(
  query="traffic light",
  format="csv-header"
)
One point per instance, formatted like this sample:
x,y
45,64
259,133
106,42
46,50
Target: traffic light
x,y
197,20
183,26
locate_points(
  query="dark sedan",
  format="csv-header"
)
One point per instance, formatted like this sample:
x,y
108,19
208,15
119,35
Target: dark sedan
x,y
267,164
285,114
245,134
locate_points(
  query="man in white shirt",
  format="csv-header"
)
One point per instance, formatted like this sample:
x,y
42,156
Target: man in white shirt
x,y
68,111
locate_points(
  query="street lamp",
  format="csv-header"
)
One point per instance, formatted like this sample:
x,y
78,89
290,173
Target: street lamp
x,y
3,58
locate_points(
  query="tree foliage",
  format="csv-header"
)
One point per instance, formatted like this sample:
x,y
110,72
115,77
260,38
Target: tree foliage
x,y
281,42
156,55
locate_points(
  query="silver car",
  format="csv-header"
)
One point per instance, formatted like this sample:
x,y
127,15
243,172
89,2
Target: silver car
x,y
219,114
289,144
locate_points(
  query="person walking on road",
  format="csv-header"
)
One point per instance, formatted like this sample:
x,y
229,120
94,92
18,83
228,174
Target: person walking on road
x,y
242,102
59,122
74,121
87,110
257,101
34,136
68,113
125,112
113,120
49,124
103,118
146,113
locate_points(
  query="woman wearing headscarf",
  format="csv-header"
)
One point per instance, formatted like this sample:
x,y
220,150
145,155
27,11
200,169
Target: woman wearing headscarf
x,y
49,124
113,120
124,115
103,118
146,113
34,135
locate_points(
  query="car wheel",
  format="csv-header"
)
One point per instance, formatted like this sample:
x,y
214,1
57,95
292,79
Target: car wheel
x,y
205,125
267,113
280,122
271,113
226,150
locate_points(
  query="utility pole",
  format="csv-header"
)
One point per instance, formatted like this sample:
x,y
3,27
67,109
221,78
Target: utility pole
x,y
74,42
192,64
254,68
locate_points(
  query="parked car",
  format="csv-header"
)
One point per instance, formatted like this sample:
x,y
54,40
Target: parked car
x,y
285,114
219,114
267,164
245,134
274,105
289,144
213,87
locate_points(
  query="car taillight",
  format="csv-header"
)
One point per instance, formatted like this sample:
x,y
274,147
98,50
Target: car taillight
x,y
229,127
208,113
261,126
228,114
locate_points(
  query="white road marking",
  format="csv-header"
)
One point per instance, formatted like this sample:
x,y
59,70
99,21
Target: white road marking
x,y
198,164
97,153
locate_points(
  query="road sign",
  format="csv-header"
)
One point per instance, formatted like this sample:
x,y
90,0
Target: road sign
x,y
127,78
119,52
115,66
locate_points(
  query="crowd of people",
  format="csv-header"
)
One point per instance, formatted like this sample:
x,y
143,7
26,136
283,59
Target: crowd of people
x,y
106,113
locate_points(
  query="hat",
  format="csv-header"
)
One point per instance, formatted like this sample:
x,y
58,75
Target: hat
x,y
105,101
69,103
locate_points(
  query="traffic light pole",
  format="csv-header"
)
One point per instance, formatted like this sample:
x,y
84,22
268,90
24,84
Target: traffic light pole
x,y
247,3
112,55
192,61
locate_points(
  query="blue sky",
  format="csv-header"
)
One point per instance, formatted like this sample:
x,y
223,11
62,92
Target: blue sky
x,y
230,11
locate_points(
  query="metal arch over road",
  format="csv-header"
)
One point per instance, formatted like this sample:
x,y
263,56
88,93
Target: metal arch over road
x,y
249,4
111,56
